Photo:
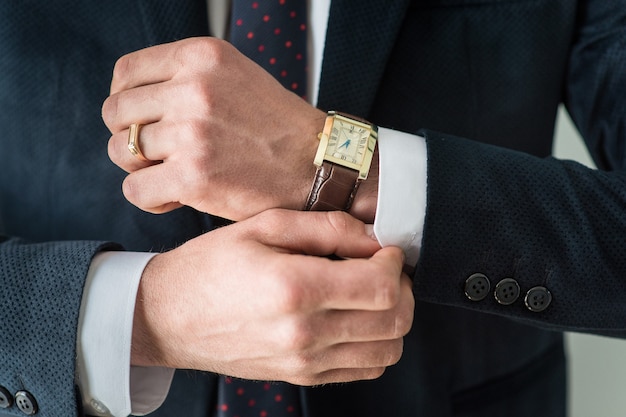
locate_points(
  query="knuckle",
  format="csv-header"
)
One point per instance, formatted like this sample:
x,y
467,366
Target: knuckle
x,y
300,339
387,292
338,222
402,324
383,354
289,297
201,100
110,111
394,353
132,191
115,149
372,373
300,369
301,366
195,172
122,68
187,51
193,134
194,48
353,375
195,160
340,376
211,52
271,219
306,380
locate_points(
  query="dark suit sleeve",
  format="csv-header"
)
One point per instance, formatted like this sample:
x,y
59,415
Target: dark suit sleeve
x,y
542,222
595,93
41,294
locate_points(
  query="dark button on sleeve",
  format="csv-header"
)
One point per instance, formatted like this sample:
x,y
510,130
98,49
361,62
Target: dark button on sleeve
x,y
6,399
477,287
538,299
507,291
26,403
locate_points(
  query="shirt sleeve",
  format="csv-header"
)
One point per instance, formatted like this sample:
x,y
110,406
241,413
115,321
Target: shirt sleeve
x,y
108,383
402,182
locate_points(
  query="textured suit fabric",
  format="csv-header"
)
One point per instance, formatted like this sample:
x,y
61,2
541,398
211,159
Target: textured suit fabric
x,y
493,71
58,189
37,317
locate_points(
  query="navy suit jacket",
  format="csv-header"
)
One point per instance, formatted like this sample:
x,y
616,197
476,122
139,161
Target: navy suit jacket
x,y
491,71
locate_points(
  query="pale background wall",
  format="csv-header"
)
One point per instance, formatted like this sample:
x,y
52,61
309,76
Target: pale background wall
x,y
597,365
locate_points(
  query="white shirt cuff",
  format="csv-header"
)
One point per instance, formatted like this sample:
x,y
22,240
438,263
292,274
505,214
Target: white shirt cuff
x,y
402,177
108,384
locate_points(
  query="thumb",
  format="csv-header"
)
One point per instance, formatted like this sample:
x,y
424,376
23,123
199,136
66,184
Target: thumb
x,y
315,233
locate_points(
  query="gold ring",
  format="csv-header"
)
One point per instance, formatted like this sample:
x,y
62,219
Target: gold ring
x,y
133,141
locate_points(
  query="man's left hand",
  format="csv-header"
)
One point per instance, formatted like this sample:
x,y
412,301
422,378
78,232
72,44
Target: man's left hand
x,y
220,133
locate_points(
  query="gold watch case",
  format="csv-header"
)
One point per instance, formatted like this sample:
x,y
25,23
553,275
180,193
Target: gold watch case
x,y
347,142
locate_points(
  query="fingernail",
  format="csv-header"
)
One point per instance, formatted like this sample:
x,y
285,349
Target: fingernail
x,y
369,230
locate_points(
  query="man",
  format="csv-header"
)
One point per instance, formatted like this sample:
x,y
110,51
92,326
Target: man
x,y
490,211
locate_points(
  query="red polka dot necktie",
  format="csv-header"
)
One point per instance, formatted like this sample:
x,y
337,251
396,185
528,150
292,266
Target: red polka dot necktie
x,y
273,33
242,398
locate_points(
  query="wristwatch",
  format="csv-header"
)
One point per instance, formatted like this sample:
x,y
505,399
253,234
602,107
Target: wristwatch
x,y
343,158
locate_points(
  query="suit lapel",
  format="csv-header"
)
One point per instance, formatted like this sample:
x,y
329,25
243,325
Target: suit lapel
x,y
359,39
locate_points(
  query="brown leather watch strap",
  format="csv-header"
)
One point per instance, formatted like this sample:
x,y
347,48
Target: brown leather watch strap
x,y
333,189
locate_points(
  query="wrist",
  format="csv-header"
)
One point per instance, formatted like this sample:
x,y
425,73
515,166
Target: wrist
x,y
145,351
344,158
310,130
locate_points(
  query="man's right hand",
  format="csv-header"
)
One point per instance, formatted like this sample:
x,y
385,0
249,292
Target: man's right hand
x,y
258,300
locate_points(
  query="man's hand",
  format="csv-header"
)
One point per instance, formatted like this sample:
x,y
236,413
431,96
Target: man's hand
x,y
249,300
233,142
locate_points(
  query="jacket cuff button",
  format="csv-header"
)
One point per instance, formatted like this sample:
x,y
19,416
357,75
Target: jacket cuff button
x,y
538,299
507,291
26,403
6,399
477,287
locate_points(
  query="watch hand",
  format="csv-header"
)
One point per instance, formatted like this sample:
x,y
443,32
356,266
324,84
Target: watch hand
x,y
346,144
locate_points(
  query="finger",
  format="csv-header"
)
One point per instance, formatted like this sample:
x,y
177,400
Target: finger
x,y
336,376
276,372
364,355
356,284
146,66
157,142
341,326
315,233
142,105
121,156
345,362
329,328
312,283
153,189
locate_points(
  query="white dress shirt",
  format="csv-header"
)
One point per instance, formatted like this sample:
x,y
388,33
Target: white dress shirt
x,y
110,386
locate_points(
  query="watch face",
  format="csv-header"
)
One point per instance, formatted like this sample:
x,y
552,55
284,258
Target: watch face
x,y
348,142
